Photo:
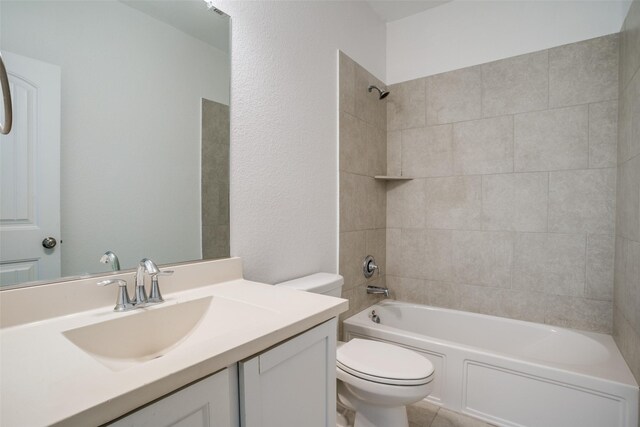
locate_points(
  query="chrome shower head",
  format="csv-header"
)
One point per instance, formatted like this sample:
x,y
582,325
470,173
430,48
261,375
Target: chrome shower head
x,y
382,93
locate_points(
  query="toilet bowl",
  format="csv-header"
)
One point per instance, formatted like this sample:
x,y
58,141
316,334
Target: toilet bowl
x,y
376,380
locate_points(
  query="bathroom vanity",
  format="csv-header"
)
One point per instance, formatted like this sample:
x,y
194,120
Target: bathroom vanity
x,y
268,390
220,351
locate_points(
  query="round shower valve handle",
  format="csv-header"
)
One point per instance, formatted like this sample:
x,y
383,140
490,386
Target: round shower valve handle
x,y
369,266
49,243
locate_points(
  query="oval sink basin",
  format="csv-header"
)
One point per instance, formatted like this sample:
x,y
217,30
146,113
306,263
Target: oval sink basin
x,y
147,334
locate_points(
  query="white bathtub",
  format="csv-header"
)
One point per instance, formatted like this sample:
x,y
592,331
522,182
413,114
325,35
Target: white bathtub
x,y
509,372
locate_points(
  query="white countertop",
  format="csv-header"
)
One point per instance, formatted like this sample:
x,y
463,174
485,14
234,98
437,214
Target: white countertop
x,y
46,380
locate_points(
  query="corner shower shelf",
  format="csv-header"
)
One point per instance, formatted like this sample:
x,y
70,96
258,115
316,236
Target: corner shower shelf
x,y
393,178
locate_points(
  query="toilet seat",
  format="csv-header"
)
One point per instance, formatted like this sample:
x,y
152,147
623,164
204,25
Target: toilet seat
x,y
383,363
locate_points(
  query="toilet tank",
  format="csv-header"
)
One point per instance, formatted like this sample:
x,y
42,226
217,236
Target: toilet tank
x,y
319,283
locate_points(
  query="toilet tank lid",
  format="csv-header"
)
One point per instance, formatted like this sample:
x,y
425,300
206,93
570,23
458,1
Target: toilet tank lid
x,y
319,283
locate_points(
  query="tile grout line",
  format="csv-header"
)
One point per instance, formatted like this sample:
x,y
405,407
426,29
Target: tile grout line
x,y
433,420
589,135
629,80
482,218
401,150
475,285
548,197
513,259
586,263
506,173
513,144
517,113
548,81
481,91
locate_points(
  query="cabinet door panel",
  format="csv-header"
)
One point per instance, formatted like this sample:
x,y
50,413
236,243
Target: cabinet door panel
x,y
207,403
293,384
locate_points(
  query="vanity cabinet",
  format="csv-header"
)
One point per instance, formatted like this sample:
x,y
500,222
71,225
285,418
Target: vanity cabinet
x,y
293,383
289,385
212,401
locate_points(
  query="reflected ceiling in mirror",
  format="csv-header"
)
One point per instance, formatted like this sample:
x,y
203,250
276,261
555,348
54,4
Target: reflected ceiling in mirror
x,y
120,139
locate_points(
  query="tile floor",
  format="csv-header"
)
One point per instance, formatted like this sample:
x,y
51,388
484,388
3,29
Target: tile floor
x,y
424,414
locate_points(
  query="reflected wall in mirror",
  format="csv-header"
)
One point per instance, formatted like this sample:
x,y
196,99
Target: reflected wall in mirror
x,y
121,124
215,179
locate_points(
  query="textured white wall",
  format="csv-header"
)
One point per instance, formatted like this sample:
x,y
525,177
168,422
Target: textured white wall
x,y
284,146
464,33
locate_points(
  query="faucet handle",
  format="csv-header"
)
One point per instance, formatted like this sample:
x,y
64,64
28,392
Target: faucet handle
x,y
123,302
369,266
155,297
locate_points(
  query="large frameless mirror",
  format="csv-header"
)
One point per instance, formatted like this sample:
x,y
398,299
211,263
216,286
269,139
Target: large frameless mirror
x,y
120,138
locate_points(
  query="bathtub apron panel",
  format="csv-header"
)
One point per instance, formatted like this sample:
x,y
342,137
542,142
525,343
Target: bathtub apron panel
x,y
526,374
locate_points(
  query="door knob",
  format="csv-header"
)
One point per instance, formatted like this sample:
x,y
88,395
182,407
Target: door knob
x,y
49,242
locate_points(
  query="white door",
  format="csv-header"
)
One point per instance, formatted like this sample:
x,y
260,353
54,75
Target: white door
x,y
30,173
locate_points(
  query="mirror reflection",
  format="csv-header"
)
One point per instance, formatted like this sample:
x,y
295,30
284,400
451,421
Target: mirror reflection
x,y
120,139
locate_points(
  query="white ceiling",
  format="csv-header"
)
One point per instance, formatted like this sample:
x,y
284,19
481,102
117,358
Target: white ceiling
x,y
190,16
391,10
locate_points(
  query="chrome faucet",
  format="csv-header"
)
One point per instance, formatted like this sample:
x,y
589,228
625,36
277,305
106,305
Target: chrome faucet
x,y
110,257
145,265
378,290
369,266
124,303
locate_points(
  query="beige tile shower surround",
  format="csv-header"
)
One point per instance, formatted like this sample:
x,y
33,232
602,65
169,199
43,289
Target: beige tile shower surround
x,y
215,180
626,290
512,209
363,154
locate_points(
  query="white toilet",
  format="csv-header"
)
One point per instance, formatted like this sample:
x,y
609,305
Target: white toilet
x,y
375,379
